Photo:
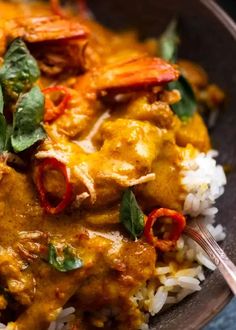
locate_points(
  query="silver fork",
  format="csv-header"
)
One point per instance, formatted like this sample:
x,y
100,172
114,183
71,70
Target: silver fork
x,y
199,233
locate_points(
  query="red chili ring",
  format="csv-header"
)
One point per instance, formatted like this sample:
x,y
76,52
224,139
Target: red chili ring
x,y
52,163
178,225
52,112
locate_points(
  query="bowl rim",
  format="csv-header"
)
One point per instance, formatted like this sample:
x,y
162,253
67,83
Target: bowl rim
x,y
223,300
221,14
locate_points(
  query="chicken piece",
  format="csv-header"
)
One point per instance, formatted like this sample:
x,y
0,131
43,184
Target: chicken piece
x,y
146,108
116,279
194,132
142,141
117,169
166,190
19,283
17,200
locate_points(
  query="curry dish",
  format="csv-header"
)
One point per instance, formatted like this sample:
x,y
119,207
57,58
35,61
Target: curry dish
x,y
92,141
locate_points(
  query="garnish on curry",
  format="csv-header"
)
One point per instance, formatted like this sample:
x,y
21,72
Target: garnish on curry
x,y
93,128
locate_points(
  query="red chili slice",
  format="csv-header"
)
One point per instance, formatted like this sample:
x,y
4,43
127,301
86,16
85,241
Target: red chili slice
x,y
178,225
53,163
53,111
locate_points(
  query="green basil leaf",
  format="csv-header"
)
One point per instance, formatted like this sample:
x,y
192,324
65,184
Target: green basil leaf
x,y
69,261
186,107
19,71
169,42
27,128
3,133
131,215
5,130
8,146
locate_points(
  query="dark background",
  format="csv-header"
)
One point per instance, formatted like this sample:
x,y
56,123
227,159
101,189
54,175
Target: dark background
x,y
226,320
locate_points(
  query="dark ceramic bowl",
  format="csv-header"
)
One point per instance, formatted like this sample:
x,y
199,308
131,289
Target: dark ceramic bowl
x,y
208,37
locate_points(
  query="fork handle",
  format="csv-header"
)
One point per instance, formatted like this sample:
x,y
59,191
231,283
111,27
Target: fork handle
x,y
215,253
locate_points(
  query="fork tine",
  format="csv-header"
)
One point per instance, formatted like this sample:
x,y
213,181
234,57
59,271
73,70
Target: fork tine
x,y
199,233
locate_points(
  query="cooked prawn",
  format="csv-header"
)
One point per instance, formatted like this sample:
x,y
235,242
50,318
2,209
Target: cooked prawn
x,y
57,43
49,28
138,74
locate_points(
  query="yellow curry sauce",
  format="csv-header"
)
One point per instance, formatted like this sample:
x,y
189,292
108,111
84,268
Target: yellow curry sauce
x,y
111,137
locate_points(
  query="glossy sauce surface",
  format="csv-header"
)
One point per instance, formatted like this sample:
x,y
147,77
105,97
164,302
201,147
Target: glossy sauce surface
x,y
107,145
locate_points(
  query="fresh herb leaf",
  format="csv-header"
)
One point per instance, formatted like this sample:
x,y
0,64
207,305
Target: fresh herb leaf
x,y
186,107
27,129
131,215
17,75
5,129
19,71
3,133
169,42
8,146
68,261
